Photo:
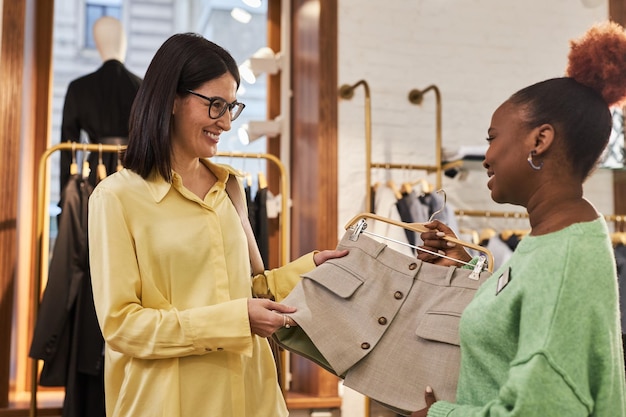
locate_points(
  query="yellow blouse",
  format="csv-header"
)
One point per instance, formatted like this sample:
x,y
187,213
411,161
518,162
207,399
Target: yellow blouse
x,y
171,279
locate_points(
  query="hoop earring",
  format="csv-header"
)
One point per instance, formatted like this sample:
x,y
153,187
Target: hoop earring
x,y
531,163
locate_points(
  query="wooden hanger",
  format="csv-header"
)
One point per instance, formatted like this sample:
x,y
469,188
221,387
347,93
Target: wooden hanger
x,y
486,234
618,238
119,158
419,228
471,232
262,181
73,165
86,169
102,170
425,186
391,184
508,233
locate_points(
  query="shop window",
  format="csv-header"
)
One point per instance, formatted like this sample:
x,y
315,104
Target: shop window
x,y
95,10
613,156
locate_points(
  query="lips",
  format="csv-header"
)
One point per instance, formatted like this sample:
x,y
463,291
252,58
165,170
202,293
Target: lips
x,y
491,176
213,136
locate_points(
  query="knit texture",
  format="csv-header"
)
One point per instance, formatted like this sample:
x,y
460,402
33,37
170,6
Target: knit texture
x,y
549,342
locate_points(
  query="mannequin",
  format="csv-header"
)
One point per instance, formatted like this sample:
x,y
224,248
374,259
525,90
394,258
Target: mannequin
x,y
99,103
110,39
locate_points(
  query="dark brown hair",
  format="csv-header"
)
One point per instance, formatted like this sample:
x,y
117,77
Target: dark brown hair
x,y
183,62
577,106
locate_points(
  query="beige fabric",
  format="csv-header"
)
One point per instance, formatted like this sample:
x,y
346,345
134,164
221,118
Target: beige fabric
x,y
384,321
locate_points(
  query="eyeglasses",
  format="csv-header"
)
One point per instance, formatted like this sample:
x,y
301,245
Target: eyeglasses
x,y
218,106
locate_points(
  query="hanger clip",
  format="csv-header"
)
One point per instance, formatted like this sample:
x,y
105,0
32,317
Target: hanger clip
x,y
357,229
475,275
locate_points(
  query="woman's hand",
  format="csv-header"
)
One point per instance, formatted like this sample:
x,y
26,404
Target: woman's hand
x,y
429,396
434,241
321,257
267,316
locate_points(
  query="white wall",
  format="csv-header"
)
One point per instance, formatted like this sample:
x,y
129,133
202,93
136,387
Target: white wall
x,y
478,52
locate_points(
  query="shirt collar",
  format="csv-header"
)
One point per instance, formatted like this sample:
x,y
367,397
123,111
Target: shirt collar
x,y
159,187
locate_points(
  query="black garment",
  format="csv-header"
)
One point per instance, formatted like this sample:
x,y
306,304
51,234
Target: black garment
x,y
404,209
98,103
261,228
67,336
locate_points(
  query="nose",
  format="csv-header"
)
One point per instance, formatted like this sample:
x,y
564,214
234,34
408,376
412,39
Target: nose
x,y
485,164
224,122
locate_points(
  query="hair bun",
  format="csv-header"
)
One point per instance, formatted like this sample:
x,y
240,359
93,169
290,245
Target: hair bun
x,y
598,60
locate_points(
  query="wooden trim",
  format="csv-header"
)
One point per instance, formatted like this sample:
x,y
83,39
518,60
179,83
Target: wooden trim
x,y
21,412
274,10
328,125
11,70
617,13
314,126
25,77
313,143
296,401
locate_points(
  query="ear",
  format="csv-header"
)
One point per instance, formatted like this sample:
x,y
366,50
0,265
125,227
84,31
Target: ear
x,y
543,137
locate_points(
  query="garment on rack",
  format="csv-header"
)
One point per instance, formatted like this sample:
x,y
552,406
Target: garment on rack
x,y
67,336
385,206
512,241
404,210
385,322
500,249
439,209
98,103
261,225
258,217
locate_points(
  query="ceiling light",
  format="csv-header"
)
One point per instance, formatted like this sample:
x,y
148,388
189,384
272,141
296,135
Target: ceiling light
x,y
252,3
240,15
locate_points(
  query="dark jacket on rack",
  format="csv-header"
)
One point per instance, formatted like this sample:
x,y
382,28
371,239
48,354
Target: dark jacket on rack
x,y
98,103
67,337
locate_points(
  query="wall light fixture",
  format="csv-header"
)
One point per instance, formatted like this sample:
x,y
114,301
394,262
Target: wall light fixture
x,y
263,61
256,129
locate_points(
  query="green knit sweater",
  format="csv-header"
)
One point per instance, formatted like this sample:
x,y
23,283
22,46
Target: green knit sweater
x,y
548,344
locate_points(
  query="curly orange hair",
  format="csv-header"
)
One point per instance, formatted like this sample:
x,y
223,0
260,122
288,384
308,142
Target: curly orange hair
x,y
598,60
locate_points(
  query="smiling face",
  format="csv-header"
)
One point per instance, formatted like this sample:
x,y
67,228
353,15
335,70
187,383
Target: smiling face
x,y
510,141
194,134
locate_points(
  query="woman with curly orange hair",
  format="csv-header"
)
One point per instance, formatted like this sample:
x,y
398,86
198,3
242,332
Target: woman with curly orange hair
x,y
542,337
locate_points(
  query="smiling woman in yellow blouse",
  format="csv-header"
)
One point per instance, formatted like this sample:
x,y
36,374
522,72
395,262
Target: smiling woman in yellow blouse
x,y
169,256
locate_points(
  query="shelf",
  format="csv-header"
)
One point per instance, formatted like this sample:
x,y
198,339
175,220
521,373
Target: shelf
x,y
299,401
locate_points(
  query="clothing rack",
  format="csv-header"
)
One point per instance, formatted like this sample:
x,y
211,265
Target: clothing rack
x,y
618,233
489,213
522,215
415,97
43,225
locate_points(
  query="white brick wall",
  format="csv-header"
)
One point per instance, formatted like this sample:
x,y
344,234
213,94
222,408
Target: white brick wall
x,y
477,52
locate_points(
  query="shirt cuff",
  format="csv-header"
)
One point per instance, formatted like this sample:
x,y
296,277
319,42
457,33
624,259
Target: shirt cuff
x,y
440,409
471,264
